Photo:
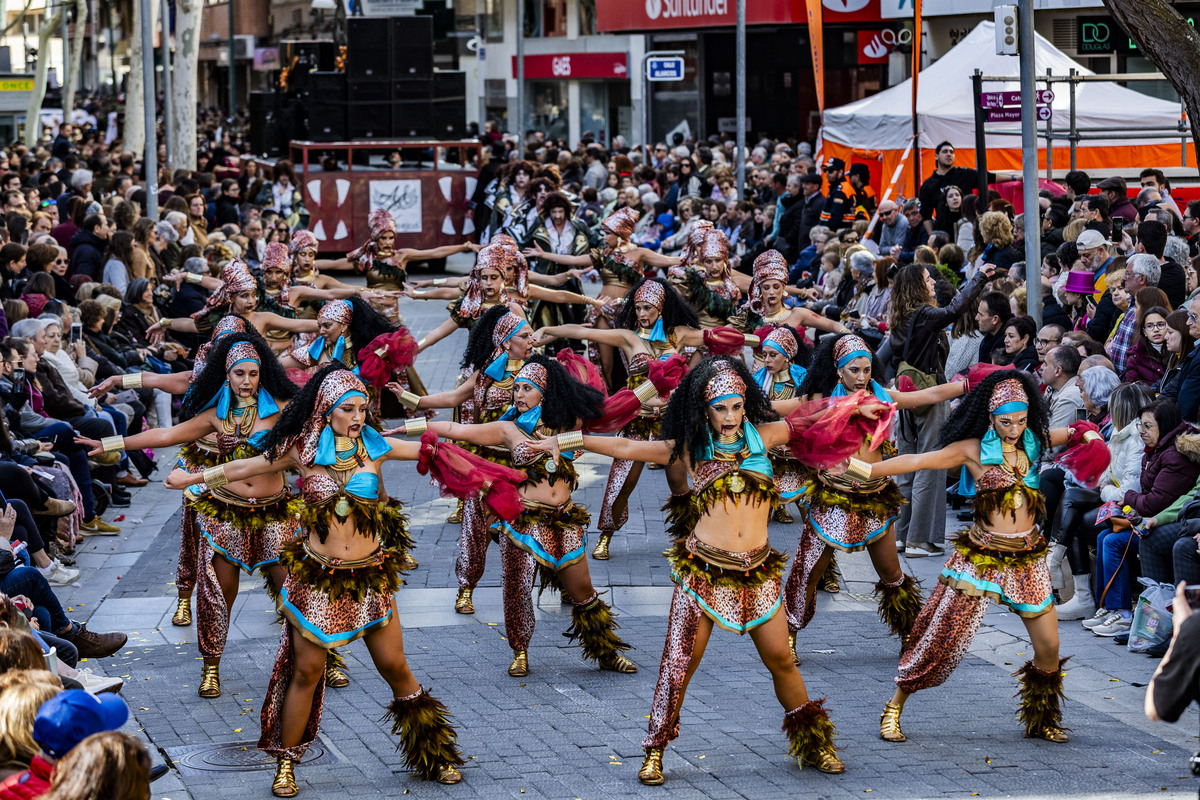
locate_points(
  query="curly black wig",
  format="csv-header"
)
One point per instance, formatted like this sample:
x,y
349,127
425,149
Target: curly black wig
x,y
675,312
299,411
822,377
479,342
565,400
686,418
366,324
271,375
804,353
972,419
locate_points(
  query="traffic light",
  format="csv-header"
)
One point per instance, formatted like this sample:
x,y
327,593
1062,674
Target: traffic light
x,y
1006,30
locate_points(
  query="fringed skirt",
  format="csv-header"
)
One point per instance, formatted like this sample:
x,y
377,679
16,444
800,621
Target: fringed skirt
x,y
556,536
850,515
737,591
248,532
1007,568
332,602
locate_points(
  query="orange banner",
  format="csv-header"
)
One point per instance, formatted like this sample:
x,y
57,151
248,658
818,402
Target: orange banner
x,y
817,44
916,78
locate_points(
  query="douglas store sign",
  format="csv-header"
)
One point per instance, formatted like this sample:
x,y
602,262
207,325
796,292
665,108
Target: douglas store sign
x,y
1102,35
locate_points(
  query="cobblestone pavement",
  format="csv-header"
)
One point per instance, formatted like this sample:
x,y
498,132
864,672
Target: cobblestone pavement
x,y
569,731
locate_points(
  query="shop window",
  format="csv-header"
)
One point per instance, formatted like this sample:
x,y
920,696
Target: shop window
x,y
533,18
547,107
587,17
554,17
495,20
593,109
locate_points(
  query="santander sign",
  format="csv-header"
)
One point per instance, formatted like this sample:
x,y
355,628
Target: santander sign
x,y
668,9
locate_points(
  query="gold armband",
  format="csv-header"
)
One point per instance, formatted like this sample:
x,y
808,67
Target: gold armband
x,y
415,427
645,392
192,277
409,400
439,281
112,444
752,340
165,323
133,381
858,470
571,440
421,343
215,476
1091,436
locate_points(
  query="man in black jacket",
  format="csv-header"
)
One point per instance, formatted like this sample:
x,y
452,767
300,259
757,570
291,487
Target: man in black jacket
x,y
1152,239
227,205
88,247
994,312
792,202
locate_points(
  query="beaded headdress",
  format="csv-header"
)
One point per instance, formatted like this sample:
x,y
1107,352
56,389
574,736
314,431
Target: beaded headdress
x,y
228,324
725,384
242,351
651,292
381,222
535,374
504,239
506,327
695,237
276,257
332,390
337,311
784,341
849,348
235,279
301,241
621,222
1008,396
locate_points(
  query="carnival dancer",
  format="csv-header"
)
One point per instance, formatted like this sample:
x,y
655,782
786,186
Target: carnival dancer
x,y
785,359
496,350
237,293
302,249
653,323
721,426
385,265
550,535
237,398
765,305
620,263
709,286
996,435
848,516
199,454
342,577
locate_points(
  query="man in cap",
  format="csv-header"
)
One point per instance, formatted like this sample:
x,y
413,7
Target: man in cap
x,y
839,205
865,202
1119,204
62,722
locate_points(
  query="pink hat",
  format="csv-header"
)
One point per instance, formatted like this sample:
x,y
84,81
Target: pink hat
x,y
1080,281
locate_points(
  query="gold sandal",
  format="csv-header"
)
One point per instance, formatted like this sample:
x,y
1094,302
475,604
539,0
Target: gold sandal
x,y
335,678
519,667
792,648
601,551
210,681
889,723
619,663
826,761
783,515
284,784
448,775
456,515
183,612
462,603
651,772
1052,734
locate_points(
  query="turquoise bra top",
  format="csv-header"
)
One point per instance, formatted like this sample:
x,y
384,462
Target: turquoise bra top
x,y
991,454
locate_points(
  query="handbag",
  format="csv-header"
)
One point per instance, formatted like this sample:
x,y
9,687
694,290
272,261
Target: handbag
x,y
920,378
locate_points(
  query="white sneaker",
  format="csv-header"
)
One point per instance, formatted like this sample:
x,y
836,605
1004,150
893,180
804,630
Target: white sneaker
x,y
95,684
1098,620
1121,624
58,575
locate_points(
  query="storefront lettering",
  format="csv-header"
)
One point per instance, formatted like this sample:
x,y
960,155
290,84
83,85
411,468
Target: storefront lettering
x,y
561,66
686,8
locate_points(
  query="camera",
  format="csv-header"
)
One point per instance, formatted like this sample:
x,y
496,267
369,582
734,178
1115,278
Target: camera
x,y
18,375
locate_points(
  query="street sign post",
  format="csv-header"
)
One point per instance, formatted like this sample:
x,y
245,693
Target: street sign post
x,y
664,68
1006,99
1044,113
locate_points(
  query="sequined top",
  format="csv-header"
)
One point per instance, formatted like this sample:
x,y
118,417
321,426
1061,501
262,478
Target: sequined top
x,y
615,268
495,396
538,465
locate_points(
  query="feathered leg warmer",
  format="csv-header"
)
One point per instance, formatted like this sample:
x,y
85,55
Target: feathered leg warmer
x,y
809,731
426,735
899,605
1041,696
594,625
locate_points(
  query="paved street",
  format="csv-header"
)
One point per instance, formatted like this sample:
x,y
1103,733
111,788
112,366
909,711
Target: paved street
x,y
569,731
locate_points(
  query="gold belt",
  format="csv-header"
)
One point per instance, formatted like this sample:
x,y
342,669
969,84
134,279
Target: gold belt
x,y
538,505
373,560
724,559
1004,542
606,281
844,484
222,494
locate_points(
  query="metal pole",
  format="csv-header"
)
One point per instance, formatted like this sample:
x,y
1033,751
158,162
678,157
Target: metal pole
x,y
980,137
168,100
1074,121
741,99
232,72
521,77
1029,158
150,157
66,48
112,49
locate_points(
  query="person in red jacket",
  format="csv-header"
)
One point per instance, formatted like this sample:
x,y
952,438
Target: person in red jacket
x,y
62,722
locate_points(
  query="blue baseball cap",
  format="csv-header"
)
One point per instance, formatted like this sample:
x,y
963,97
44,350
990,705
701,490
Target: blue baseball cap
x,y
69,717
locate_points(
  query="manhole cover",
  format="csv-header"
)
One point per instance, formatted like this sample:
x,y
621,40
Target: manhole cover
x,y
237,757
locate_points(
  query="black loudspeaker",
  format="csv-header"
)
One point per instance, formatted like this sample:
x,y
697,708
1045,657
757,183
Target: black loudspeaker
x,y
368,49
413,119
405,89
327,87
268,132
326,121
412,47
448,84
368,91
450,118
370,120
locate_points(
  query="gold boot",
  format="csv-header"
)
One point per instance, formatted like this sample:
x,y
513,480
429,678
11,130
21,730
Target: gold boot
x,y
462,603
210,681
889,724
456,515
448,775
782,515
183,612
792,648
601,551
651,772
519,667
284,784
